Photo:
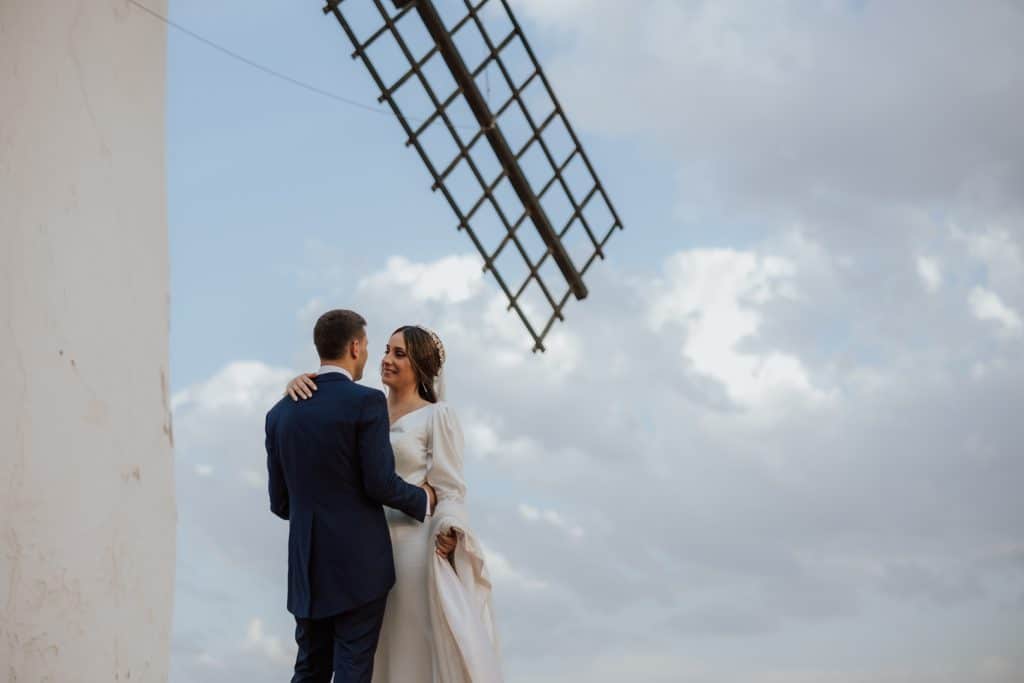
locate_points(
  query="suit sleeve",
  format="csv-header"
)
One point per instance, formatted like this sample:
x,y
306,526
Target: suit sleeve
x,y
278,486
377,460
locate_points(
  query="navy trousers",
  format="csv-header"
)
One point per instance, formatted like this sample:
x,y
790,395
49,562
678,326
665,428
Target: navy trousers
x,y
343,645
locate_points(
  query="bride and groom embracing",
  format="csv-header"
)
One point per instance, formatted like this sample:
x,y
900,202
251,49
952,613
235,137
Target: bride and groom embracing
x,y
400,595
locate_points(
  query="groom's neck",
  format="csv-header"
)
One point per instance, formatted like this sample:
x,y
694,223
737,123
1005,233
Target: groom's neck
x,y
340,363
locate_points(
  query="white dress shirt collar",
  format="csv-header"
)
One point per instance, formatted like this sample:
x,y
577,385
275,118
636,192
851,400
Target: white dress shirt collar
x,y
324,369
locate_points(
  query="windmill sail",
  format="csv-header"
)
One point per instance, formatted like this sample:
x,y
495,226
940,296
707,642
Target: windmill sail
x,y
505,158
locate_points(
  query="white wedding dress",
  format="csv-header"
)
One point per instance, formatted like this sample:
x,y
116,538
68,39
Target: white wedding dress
x,y
438,625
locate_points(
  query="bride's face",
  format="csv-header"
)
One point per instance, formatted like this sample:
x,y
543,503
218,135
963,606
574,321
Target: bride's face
x,y
396,369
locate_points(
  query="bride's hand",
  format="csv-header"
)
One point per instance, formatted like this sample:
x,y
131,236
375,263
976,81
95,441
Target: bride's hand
x,y
446,544
302,386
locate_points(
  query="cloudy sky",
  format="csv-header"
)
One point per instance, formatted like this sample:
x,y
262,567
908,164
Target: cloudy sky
x,y
779,443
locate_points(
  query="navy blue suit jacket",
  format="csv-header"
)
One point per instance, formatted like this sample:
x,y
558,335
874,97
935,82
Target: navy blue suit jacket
x,y
331,470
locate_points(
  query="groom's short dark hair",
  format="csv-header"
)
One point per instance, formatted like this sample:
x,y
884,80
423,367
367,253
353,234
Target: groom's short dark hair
x,y
335,330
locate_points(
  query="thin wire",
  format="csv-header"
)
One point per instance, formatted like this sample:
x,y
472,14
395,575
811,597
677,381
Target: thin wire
x,y
256,65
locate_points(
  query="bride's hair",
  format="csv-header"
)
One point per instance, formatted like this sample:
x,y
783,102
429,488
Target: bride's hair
x,y
425,357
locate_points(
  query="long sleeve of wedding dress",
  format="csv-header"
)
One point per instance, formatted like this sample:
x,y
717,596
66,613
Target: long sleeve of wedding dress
x,y
461,617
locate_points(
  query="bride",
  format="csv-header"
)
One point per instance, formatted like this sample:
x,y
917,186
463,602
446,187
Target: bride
x,y
438,624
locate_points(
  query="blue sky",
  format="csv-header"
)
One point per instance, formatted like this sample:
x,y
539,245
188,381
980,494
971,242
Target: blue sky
x,y
779,441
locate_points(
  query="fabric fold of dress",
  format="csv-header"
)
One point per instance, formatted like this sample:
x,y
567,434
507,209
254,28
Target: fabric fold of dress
x,y
461,617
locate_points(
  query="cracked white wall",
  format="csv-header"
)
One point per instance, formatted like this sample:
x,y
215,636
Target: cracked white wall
x,y
87,517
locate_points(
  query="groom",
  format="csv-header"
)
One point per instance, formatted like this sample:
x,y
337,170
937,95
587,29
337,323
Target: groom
x,y
331,469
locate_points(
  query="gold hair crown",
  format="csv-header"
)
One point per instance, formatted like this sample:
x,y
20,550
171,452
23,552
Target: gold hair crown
x,y
437,342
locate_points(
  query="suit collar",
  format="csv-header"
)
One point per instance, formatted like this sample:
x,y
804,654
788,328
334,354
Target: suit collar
x,y
331,377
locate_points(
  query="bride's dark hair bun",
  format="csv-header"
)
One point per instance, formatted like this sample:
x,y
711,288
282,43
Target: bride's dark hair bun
x,y
426,359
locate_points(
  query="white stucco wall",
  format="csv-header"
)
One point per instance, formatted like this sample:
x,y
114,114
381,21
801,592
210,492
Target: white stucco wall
x,y
87,517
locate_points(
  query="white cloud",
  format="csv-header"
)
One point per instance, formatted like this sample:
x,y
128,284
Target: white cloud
x,y
207,659
312,310
986,305
709,298
929,271
551,517
484,441
271,647
452,279
240,387
620,507
529,512
505,575
996,249
255,479
776,108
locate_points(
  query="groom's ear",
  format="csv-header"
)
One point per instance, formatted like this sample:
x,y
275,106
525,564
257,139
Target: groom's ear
x,y
353,346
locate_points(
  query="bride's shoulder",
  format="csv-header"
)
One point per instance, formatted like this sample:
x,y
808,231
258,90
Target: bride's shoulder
x,y
445,427
444,412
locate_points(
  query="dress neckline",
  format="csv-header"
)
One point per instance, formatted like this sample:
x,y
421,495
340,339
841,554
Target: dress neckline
x,y
411,412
